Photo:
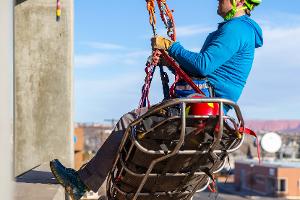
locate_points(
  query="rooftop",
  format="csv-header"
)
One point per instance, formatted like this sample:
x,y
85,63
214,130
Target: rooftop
x,y
272,163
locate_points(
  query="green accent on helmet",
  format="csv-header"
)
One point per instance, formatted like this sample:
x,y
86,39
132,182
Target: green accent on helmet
x,y
249,4
254,1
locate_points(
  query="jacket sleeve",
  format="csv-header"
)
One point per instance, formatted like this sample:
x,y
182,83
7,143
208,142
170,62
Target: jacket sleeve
x,y
223,45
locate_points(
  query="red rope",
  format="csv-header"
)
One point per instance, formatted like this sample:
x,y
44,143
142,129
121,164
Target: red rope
x,y
248,131
146,88
168,20
212,187
180,73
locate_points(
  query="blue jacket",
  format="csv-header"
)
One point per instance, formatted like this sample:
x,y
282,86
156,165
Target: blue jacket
x,y
226,57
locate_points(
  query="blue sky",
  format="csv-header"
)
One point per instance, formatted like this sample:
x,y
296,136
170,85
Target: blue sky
x,y
112,43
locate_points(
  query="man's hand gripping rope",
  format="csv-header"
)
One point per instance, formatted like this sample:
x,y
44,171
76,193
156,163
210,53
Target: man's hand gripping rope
x,y
160,45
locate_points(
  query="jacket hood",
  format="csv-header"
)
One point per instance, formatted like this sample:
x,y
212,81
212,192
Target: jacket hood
x,y
257,30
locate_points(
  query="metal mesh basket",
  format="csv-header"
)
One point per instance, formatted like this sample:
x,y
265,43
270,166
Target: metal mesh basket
x,y
167,154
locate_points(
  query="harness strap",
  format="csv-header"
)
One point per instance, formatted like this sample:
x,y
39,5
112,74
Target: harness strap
x,y
180,73
165,82
182,89
188,87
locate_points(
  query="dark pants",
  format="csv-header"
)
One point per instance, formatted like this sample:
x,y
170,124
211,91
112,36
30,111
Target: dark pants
x,y
94,173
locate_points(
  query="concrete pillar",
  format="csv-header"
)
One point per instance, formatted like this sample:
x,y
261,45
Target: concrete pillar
x,y
43,83
6,100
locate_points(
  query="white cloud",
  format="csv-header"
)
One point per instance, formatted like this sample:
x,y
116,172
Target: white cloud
x,y
281,47
192,30
107,97
114,95
274,33
110,84
113,58
92,59
104,46
135,57
273,88
187,31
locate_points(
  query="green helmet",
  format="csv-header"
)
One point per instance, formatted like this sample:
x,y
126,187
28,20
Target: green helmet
x,y
249,4
254,1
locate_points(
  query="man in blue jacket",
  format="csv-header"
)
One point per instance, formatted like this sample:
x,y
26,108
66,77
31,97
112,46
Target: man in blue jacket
x,y
227,55
225,59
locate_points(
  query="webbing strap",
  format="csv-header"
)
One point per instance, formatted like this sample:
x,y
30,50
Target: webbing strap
x,y
248,131
165,83
180,72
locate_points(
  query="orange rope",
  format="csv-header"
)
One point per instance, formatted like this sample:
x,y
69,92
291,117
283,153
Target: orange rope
x,y
167,18
165,14
150,8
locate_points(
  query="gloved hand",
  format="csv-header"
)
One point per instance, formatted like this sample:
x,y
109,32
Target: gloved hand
x,y
160,42
156,59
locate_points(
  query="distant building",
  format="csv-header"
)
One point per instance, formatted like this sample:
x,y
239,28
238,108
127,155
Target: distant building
x,y
94,135
78,147
89,138
277,179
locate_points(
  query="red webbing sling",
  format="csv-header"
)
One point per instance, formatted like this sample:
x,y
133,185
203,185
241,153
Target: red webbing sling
x,y
248,131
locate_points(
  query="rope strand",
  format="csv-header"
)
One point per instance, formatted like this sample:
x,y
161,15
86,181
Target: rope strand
x,y
167,17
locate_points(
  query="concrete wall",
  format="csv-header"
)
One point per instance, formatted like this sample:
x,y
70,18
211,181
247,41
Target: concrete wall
x,y
43,83
6,100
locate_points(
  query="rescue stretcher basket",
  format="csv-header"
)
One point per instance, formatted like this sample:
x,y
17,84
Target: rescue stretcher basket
x,y
169,153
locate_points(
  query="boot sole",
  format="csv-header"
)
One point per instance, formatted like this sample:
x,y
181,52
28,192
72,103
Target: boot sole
x,y
60,181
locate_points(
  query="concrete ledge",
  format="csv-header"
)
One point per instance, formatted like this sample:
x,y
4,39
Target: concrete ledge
x,y
38,184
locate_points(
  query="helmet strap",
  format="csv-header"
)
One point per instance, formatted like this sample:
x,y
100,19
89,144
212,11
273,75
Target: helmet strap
x,y
249,5
234,10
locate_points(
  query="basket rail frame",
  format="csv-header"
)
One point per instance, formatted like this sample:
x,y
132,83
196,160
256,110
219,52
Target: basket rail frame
x,y
182,102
